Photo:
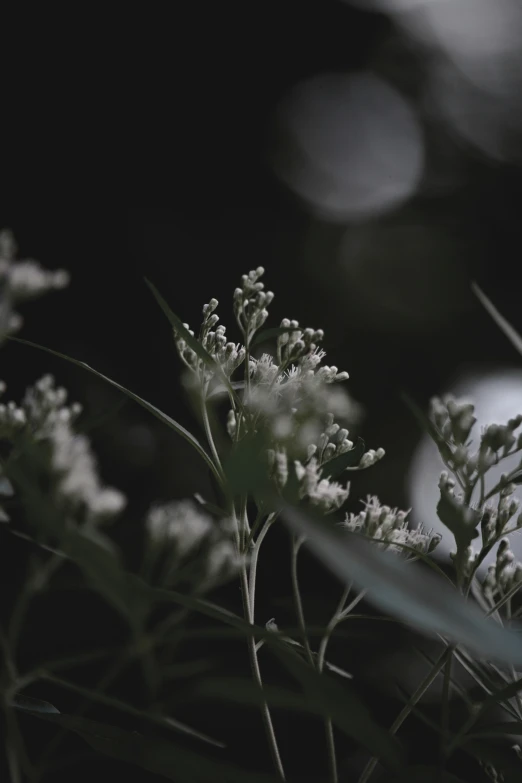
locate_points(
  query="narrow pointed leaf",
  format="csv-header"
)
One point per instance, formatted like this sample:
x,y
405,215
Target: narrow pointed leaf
x,y
350,459
163,417
512,335
191,341
412,594
29,704
270,334
110,701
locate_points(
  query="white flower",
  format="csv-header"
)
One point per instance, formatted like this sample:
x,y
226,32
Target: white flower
x,y
390,527
179,523
326,495
189,544
69,464
21,280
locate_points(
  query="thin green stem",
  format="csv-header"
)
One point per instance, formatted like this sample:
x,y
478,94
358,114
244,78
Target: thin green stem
x,y
218,469
328,725
331,627
296,545
253,565
408,708
518,697
446,685
254,663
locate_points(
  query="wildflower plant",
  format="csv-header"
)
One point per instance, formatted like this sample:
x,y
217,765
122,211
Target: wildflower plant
x,y
278,445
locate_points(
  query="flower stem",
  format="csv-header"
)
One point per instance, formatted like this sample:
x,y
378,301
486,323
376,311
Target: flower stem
x,y
253,564
296,545
254,663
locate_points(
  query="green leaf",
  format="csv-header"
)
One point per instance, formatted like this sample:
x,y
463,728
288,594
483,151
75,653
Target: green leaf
x,y
460,520
499,319
28,704
191,341
163,417
246,467
412,594
156,755
350,459
270,334
183,332
161,720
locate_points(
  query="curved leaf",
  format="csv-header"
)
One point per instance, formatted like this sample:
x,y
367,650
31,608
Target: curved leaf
x,y
412,594
191,341
350,459
163,417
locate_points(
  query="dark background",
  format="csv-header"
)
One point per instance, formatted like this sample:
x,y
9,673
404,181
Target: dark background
x,y
158,152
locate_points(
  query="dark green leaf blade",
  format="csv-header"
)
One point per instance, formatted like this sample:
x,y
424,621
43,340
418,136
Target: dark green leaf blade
x,y
349,459
183,332
412,594
269,334
29,704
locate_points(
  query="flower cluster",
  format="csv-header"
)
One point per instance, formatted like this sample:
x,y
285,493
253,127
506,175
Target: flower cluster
x,y
502,575
250,303
42,430
186,545
19,281
455,420
228,356
390,527
322,493
291,400
494,521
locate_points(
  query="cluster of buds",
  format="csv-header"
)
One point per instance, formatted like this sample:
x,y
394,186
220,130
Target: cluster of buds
x,y
295,344
250,303
45,406
325,495
186,545
62,458
226,354
455,421
21,280
370,457
389,526
332,442
503,575
493,522
12,418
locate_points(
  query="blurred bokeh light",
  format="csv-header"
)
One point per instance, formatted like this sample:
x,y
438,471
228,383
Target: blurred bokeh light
x,y
352,146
